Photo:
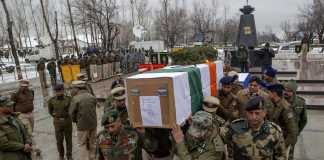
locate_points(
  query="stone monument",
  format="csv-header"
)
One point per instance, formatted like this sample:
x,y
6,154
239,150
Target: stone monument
x,y
247,31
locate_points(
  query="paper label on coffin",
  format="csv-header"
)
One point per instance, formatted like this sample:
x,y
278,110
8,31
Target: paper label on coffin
x,y
151,107
172,89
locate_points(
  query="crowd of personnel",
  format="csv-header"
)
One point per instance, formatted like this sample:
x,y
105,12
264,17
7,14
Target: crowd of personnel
x,y
262,121
95,64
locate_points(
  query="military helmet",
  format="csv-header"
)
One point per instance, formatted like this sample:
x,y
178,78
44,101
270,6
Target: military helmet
x,y
201,122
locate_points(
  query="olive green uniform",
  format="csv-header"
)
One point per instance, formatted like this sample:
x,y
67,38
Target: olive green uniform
x,y
59,110
265,144
13,137
283,115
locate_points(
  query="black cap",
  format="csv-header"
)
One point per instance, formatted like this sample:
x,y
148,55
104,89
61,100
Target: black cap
x,y
59,87
278,88
227,80
255,103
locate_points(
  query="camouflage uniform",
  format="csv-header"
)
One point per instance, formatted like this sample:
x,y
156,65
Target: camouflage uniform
x,y
266,144
58,108
211,148
116,147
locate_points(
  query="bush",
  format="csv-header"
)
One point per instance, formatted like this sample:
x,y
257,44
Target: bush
x,y
194,55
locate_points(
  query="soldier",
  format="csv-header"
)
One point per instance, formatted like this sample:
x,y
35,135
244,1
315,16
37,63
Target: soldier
x,y
254,90
24,104
242,57
283,115
118,102
202,140
236,85
254,137
116,142
211,105
15,142
42,73
231,108
92,61
269,77
266,57
83,113
58,108
298,106
51,67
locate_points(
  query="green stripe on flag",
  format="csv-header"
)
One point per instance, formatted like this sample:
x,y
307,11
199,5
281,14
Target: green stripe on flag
x,y
194,83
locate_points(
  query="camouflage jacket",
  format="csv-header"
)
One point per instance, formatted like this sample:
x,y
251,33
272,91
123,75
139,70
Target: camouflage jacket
x,y
210,149
120,147
283,115
299,107
265,144
231,108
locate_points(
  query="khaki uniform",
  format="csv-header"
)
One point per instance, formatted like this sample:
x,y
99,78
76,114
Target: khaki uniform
x,y
231,108
83,112
13,137
236,87
42,73
265,144
210,149
51,67
283,115
120,147
59,110
244,96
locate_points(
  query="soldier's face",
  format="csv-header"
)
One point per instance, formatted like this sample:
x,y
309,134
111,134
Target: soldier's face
x,y
226,89
255,118
254,87
114,128
288,93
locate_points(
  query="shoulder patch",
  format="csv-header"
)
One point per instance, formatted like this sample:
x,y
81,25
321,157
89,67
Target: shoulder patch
x,y
239,125
275,126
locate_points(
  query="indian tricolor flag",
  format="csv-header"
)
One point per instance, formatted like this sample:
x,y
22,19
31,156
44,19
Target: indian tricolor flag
x,y
203,80
166,96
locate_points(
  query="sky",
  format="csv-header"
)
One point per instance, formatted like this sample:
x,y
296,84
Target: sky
x,y
269,13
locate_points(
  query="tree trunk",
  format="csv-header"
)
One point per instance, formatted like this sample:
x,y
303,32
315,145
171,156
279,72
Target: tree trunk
x,y
73,30
34,21
11,40
54,40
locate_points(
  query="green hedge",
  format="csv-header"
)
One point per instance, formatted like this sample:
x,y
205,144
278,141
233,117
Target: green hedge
x,y
194,55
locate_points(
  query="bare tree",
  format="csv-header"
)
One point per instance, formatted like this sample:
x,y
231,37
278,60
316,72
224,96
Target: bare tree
x,y
312,20
202,20
73,29
54,38
11,39
287,30
100,15
34,21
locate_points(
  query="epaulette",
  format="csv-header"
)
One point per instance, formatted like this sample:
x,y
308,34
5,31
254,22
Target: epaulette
x,y
301,99
275,126
239,125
